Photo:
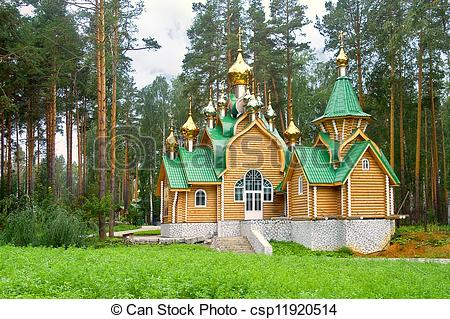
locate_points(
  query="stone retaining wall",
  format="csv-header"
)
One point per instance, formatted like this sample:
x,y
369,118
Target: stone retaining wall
x,y
364,236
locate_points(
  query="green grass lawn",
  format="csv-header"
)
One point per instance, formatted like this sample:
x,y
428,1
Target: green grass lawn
x,y
150,232
194,271
123,227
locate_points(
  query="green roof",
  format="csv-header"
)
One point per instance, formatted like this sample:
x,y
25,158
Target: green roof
x,y
332,145
219,143
316,164
385,163
198,164
343,101
318,169
175,172
227,123
350,160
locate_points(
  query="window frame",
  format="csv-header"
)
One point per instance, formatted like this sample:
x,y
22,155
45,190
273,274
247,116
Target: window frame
x,y
365,164
195,198
242,188
264,191
300,185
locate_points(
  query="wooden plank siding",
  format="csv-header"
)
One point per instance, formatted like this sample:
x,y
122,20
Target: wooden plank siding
x,y
206,214
298,203
368,189
252,150
181,208
328,201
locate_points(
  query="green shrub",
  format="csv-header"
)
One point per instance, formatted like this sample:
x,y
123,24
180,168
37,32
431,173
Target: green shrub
x,y
53,226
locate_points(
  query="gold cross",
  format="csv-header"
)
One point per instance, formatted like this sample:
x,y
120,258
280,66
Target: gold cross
x,y
341,37
239,38
190,105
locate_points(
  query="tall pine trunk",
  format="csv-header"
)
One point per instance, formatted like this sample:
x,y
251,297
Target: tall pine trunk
x,y
79,142
288,66
418,130
101,111
444,172
434,147
69,127
115,60
9,156
17,157
358,54
51,133
30,147
392,115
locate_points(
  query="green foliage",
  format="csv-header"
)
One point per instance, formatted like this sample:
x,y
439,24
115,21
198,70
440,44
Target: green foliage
x,y
294,249
194,271
93,206
38,225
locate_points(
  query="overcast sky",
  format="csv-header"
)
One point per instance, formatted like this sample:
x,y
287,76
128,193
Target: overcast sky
x,y
167,21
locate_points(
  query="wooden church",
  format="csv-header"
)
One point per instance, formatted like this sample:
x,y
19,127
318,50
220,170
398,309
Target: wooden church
x,y
241,170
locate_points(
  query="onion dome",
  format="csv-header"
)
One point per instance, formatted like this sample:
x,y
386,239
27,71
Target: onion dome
x,y
171,141
240,72
252,104
209,110
270,112
342,58
292,133
222,101
190,129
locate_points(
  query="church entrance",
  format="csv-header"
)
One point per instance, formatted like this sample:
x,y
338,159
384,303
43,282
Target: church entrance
x,y
253,195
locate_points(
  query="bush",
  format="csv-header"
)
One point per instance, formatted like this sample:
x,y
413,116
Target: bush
x,y
53,226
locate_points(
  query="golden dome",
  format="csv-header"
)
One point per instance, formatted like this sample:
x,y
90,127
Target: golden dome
x,y
222,102
171,141
270,112
342,58
292,133
190,129
209,110
240,72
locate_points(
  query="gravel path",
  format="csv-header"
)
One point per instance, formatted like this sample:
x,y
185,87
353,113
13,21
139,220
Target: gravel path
x,y
121,233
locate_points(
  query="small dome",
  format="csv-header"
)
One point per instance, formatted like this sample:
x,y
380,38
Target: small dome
x,y
190,129
222,101
171,141
209,110
292,133
342,58
270,112
252,104
240,72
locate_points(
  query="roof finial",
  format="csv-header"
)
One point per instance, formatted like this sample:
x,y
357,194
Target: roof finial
x,y
190,104
341,38
270,96
210,92
342,58
239,39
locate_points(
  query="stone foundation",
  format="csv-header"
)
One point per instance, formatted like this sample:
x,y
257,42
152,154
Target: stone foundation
x,y
180,230
364,236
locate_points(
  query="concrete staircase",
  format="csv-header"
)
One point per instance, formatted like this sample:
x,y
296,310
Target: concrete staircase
x,y
234,244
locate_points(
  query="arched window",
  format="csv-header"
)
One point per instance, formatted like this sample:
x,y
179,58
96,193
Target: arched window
x,y
200,198
300,185
365,164
268,191
239,191
253,180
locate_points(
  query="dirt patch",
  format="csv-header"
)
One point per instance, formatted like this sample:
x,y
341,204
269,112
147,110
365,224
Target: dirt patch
x,y
417,244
